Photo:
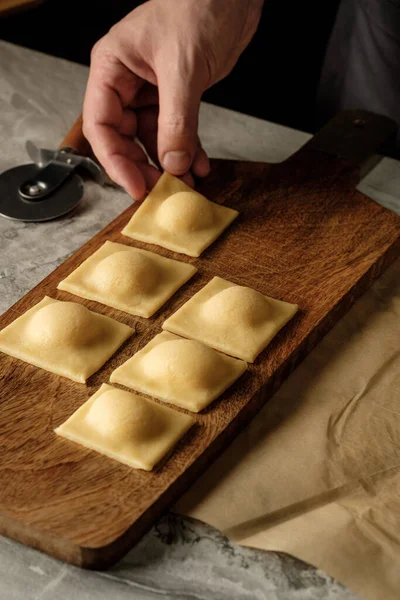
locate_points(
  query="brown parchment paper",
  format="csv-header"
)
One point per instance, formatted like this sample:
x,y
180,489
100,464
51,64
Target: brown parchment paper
x,y
317,472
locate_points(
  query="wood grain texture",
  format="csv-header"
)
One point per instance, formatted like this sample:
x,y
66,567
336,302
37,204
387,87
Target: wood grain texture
x,y
304,235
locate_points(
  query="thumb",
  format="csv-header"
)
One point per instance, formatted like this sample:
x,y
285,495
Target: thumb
x,y
179,100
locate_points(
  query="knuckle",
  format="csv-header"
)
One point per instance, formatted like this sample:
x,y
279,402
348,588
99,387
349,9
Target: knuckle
x,y
95,49
103,50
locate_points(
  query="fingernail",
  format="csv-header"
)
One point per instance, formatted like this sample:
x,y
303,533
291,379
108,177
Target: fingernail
x,y
177,161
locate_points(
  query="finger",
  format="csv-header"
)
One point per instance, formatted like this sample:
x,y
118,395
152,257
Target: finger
x,y
151,174
201,164
110,88
179,98
147,119
128,123
117,154
188,179
135,183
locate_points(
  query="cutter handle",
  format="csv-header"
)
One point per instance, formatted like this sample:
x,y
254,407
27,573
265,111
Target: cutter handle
x,y
75,139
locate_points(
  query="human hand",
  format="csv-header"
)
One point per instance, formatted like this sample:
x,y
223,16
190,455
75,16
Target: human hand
x,y
146,80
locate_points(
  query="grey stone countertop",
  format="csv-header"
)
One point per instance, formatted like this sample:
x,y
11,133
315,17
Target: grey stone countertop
x,y
40,97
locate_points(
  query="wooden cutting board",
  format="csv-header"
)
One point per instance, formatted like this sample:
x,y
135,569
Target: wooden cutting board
x,y
304,235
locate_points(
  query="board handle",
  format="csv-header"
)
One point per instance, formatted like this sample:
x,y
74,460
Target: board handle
x,y
75,140
355,136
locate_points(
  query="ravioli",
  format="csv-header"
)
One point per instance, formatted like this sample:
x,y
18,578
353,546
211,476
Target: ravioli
x,y
130,279
176,217
180,371
65,338
231,318
126,427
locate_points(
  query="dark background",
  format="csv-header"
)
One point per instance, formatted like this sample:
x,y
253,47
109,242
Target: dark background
x,y
276,77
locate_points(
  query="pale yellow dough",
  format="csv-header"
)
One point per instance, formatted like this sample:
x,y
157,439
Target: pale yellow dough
x,y
64,338
136,281
126,427
176,217
180,371
234,319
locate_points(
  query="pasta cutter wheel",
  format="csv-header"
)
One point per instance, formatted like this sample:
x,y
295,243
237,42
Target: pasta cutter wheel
x,y
49,187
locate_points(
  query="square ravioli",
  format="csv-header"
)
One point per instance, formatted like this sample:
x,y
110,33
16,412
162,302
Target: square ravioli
x,y
176,217
64,338
136,281
231,318
126,427
180,371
